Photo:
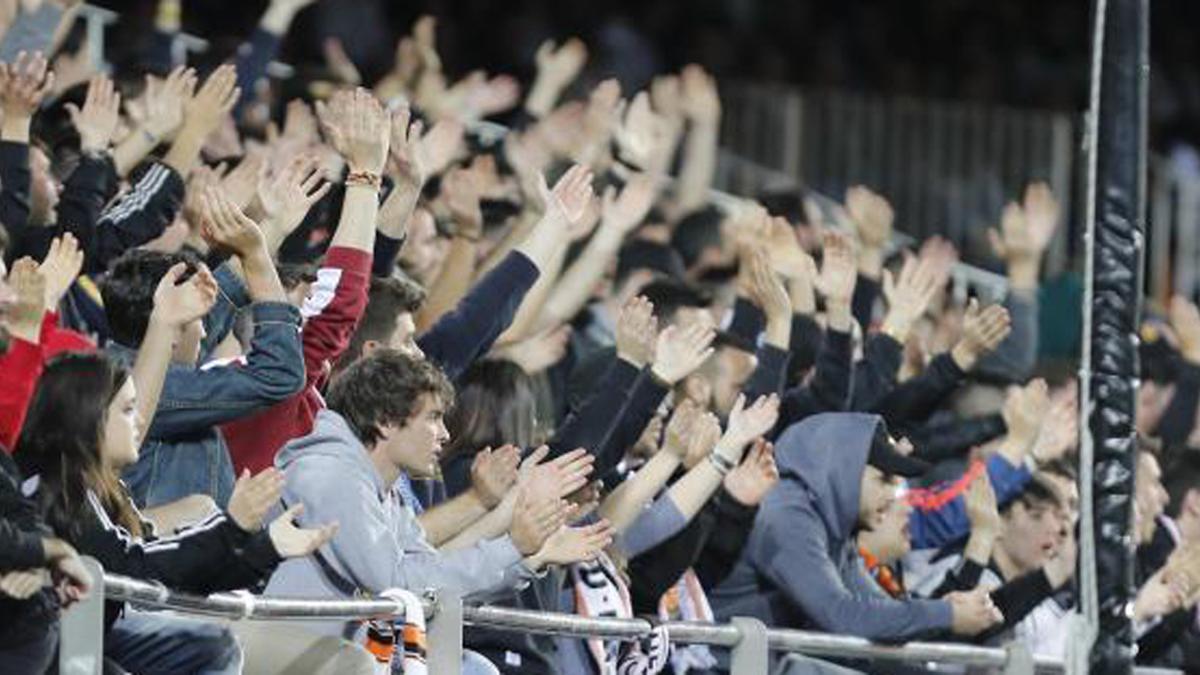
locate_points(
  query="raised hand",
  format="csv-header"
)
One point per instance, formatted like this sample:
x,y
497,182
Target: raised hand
x,y
576,544
908,296
493,473
60,268
24,314
636,332
538,352
839,272
557,478
226,227
253,498
699,90
559,67
704,436
287,197
291,541
23,85
339,62
487,97
680,429
940,256
177,304
1060,428
746,424
97,121
462,188
766,287
241,184
567,203
680,351
641,133
751,480
212,103
534,520
1024,410
984,517
872,215
164,102
982,332
359,128
625,212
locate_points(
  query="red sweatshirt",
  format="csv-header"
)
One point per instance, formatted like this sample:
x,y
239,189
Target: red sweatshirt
x,y
331,313
20,368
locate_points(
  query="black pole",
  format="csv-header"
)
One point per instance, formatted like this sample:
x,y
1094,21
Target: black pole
x,y
1119,205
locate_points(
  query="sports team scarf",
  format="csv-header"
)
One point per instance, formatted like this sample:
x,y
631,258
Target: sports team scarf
x,y
883,575
686,601
935,498
601,592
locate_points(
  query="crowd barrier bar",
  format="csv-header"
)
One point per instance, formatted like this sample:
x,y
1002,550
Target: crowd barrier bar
x,y
751,642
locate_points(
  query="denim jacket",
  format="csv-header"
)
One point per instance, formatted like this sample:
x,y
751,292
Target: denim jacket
x,y
183,453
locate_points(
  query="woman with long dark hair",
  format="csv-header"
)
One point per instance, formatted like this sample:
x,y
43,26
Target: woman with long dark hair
x,y
81,429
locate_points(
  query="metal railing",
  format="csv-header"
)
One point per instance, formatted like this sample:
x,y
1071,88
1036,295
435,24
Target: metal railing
x,y
749,641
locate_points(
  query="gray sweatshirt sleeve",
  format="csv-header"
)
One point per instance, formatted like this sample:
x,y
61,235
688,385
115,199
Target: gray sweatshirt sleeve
x,y
1015,358
376,550
31,32
658,523
791,551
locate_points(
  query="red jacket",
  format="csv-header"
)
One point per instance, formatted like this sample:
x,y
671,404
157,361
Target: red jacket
x,y
331,313
20,368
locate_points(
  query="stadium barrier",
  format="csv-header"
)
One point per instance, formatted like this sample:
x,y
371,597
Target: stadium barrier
x,y
749,640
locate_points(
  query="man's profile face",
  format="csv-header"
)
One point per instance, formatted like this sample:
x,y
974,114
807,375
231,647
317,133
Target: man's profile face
x,y
416,446
877,491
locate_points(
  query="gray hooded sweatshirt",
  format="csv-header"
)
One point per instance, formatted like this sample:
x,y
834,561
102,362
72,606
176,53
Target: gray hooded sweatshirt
x,y
379,544
791,570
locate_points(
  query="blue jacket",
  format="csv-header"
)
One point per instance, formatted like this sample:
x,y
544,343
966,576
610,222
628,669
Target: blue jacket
x,y
936,528
789,573
183,453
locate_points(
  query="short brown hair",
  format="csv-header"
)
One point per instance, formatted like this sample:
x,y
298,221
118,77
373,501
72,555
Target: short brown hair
x,y
387,299
385,388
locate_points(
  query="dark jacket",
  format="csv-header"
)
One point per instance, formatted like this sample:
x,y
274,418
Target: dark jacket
x,y
183,453
211,555
464,335
789,573
21,533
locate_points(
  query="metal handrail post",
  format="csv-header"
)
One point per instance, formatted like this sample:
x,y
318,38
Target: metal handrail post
x,y
81,641
752,654
444,637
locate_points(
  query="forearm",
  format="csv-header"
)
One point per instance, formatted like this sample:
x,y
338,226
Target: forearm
x,y
15,127
692,492
132,150
398,208
629,499
494,524
520,231
452,283
262,281
699,166
356,226
577,283
523,323
150,367
779,331
186,149
445,521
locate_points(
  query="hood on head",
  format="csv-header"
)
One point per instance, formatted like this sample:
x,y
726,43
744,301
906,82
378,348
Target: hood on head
x,y
827,454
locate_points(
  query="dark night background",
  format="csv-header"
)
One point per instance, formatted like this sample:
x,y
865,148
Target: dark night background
x,y
1028,53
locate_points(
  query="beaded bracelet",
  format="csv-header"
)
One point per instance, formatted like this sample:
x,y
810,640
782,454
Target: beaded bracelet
x,y
367,178
721,463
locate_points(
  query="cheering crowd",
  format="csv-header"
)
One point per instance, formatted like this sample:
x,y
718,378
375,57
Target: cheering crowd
x,y
360,340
